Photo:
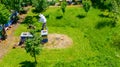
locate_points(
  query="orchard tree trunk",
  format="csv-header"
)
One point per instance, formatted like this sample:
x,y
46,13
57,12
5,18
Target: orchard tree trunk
x,y
34,56
35,59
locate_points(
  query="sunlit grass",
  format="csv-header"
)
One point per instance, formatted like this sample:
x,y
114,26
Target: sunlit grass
x,y
91,46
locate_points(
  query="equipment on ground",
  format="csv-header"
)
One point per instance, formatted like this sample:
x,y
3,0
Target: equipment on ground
x,y
44,34
23,37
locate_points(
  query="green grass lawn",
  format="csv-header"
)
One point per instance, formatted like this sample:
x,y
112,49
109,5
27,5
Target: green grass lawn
x,y
92,41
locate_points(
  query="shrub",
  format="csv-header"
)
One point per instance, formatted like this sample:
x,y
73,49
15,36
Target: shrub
x,y
40,5
86,6
63,6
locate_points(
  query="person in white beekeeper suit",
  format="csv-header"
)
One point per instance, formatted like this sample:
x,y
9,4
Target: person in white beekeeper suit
x,y
43,20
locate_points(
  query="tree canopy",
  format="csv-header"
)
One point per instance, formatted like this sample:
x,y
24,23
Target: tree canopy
x,y
40,5
86,5
63,6
12,5
4,14
33,46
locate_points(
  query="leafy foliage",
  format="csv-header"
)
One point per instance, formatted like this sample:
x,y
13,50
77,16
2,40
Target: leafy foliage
x,y
4,14
52,2
14,4
102,4
26,2
33,46
63,6
105,4
115,10
28,20
40,5
113,7
86,6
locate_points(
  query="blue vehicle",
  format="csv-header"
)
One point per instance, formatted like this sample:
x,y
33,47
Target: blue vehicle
x,y
3,34
1,28
13,19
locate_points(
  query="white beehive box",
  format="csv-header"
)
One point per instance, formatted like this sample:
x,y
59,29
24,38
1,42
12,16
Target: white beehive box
x,y
44,32
26,34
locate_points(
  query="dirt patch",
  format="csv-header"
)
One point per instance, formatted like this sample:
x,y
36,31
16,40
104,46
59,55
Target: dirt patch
x,y
58,41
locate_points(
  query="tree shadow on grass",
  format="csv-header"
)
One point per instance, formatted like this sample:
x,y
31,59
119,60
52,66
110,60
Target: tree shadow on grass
x,y
80,16
106,16
27,64
59,17
47,16
104,23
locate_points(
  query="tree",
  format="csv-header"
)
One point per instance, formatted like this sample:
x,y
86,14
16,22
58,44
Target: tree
x,y
115,9
12,4
63,6
33,46
26,2
102,4
40,5
4,16
86,5
111,6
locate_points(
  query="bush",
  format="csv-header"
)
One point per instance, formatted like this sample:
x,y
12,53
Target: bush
x,y
33,46
102,4
104,23
23,10
86,6
40,5
28,20
52,3
63,6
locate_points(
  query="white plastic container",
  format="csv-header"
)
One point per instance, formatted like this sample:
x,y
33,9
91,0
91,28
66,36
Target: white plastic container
x,y
26,34
44,32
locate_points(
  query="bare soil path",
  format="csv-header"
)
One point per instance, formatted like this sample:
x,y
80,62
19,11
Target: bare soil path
x,y
9,42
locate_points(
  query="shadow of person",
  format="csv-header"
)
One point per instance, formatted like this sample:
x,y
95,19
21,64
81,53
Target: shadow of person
x,y
27,64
